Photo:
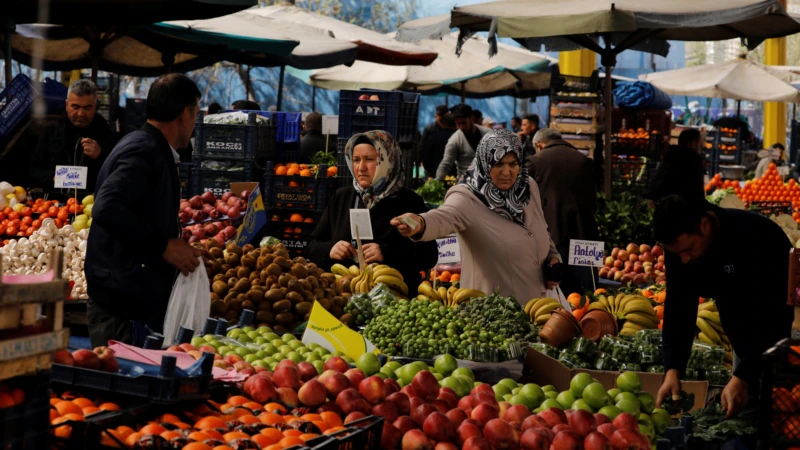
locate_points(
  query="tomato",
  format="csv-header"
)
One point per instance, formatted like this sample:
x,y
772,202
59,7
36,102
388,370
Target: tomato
x,y
2,215
27,220
71,209
13,215
59,223
23,227
44,216
4,223
63,214
37,223
26,211
71,201
7,210
80,209
29,231
52,211
39,201
12,231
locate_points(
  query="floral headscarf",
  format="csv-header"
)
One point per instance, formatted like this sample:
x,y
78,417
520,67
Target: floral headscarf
x,y
494,146
389,177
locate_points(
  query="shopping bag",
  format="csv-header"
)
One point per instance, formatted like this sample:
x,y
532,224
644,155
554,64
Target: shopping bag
x,y
189,304
559,295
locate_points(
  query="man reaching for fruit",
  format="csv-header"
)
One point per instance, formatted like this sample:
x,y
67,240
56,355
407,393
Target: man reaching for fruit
x,y
740,259
134,248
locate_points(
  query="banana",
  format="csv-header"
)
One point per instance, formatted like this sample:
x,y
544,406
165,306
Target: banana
x,y
604,301
354,270
643,320
712,317
541,320
428,291
442,291
354,282
597,305
702,336
707,306
387,271
539,302
630,329
708,330
338,277
465,294
393,282
639,306
627,299
338,269
528,305
547,309
423,297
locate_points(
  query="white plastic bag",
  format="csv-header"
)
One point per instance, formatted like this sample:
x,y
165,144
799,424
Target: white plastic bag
x,y
189,304
558,294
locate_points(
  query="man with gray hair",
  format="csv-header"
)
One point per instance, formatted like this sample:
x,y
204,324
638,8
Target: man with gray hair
x,y
567,190
81,138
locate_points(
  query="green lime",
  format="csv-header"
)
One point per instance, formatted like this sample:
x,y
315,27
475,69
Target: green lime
x,y
243,351
579,383
234,333
445,364
264,330
647,401
500,391
523,400
582,404
277,343
463,372
595,395
550,403
250,358
629,382
260,340
260,363
369,364
253,334
454,384
626,396
296,357
311,357
610,411
272,337
394,365
509,383
507,398
566,399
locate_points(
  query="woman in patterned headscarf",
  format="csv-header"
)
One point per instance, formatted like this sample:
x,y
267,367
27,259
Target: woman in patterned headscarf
x,y
496,213
375,161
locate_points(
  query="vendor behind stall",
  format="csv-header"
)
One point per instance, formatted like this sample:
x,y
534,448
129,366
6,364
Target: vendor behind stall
x,y
82,138
496,212
375,161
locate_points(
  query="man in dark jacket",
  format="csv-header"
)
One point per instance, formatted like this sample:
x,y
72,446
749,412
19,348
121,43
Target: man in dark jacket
x,y
738,258
82,138
681,172
566,184
134,250
313,140
528,129
433,146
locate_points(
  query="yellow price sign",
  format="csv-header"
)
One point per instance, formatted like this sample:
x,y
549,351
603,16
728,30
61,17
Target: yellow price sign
x,y
329,332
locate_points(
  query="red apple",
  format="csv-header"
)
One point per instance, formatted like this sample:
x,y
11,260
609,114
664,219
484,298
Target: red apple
x,y
330,407
307,371
350,400
534,439
416,440
517,413
441,405
446,446
401,401
456,416
287,376
336,363
334,382
561,427
404,423
312,393
582,422
482,397
482,388
566,440
422,412
483,413
372,389
353,416
553,417
533,421
356,376
626,421
387,410
476,443
425,385
500,434
86,359
465,403
625,439
450,399
607,429
232,358
391,436
390,387
596,441
288,397
601,419
469,428
438,427
64,357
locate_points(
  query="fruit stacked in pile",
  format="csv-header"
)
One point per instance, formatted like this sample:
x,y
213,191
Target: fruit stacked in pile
x,y
101,358
539,309
302,170
636,264
206,216
771,188
449,296
67,408
23,219
635,310
359,281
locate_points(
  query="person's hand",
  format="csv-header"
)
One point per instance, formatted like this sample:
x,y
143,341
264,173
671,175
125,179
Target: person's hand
x,y
182,256
342,250
671,387
90,147
734,397
521,135
552,284
372,253
404,229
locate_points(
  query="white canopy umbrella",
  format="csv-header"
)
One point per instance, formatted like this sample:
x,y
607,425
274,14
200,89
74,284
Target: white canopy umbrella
x,y
739,79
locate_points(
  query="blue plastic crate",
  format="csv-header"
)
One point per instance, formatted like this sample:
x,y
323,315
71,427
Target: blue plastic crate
x,y
306,193
18,99
395,112
288,126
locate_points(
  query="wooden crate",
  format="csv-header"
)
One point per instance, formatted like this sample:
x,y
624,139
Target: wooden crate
x,y
577,128
573,112
21,306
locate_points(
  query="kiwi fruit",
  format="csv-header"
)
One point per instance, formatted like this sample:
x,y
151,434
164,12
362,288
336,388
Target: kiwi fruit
x,y
215,252
212,243
330,293
265,317
336,311
255,296
318,293
339,301
348,320
303,308
272,279
326,303
224,267
306,285
284,318
230,296
273,295
242,286
232,259
214,297
248,248
243,272
299,271
259,288
275,286
254,282
231,316
295,297
337,289
329,277
261,263
235,305
308,296
274,269
284,263
220,288
284,280
264,306
233,248
247,304
254,276
313,282
248,261
324,284
232,282
294,286
219,277
230,273
266,251
280,330
218,307
281,251
285,291
282,306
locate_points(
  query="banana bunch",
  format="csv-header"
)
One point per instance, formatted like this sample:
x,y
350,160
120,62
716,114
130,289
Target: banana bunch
x,y
539,309
635,310
711,331
450,297
374,274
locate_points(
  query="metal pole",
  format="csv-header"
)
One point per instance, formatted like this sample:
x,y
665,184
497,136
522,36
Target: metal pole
x,y
280,89
607,138
7,49
463,93
738,109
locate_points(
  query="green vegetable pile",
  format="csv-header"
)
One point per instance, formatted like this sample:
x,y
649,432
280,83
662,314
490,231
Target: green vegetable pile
x,y
624,218
432,191
709,425
719,194
323,157
706,362
364,307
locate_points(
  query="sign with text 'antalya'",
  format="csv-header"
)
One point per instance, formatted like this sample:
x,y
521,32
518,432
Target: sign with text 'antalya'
x,y
71,177
586,253
449,251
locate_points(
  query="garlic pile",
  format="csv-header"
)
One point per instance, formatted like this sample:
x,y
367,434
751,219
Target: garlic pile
x,y
29,256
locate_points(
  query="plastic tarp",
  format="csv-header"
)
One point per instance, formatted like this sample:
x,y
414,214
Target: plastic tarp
x,y
641,95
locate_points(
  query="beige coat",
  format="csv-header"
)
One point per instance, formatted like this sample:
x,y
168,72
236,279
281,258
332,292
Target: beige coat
x,y
495,252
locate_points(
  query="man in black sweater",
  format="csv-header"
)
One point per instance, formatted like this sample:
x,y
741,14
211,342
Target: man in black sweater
x,y
738,258
135,251
681,172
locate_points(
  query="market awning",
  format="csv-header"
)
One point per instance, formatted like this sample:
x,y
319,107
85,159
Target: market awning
x,y
740,79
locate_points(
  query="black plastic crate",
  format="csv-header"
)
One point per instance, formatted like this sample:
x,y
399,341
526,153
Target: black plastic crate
x,y
156,389
307,193
344,176
395,112
771,208
363,433
289,152
297,231
249,141
780,396
219,181
185,173
26,426
135,114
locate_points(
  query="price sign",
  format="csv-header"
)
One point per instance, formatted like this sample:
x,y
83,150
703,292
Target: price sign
x,y
329,332
330,125
71,177
360,218
449,250
586,253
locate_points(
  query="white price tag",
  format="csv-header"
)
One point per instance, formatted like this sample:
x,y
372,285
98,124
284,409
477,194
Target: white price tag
x,y
449,250
360,218
330,125
71,177
586,253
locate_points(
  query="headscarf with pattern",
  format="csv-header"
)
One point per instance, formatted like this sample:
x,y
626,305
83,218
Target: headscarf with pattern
x,y
389,177
494,146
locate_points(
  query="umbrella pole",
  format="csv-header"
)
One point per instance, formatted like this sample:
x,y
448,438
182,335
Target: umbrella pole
x,y
463,93
607,138
7,49
280,88
313,98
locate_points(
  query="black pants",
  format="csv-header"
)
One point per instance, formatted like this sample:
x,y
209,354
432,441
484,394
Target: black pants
x,y
105,326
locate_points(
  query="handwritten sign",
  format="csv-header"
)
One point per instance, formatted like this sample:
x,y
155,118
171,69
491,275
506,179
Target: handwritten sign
x,y
449,250
330,125
71,177
360,218
586,253
326,330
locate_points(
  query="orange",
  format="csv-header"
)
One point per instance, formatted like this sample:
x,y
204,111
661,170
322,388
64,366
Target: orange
x,y
196,446
53,401
63,431
307,436
275,407
249,420
334,430
574,300
18,395
296,218
332,171
331,418
262,440
291,419
90,410
132,439
305,173
83,402
292,171
54,414
661,297
67,407
444,277
169,418
272,433
294,184
280,170
321,425
170,435
308,220
290,441
237,400
253,406
7,401
209,422
125,431
600,291
292,433
274,447
198,436
311,417
182,425
659,312
238,412
227,437
221,447
109,407
73,417
578,314
455,277
152,428
213,433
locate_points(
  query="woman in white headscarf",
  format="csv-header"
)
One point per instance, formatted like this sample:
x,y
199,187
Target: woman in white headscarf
x,y
496,212
375,161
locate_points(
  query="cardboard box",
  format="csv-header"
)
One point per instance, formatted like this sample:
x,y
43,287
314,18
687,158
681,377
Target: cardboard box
x,y
543,370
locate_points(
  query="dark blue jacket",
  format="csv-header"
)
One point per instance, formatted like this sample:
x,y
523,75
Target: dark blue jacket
x,y
135,213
